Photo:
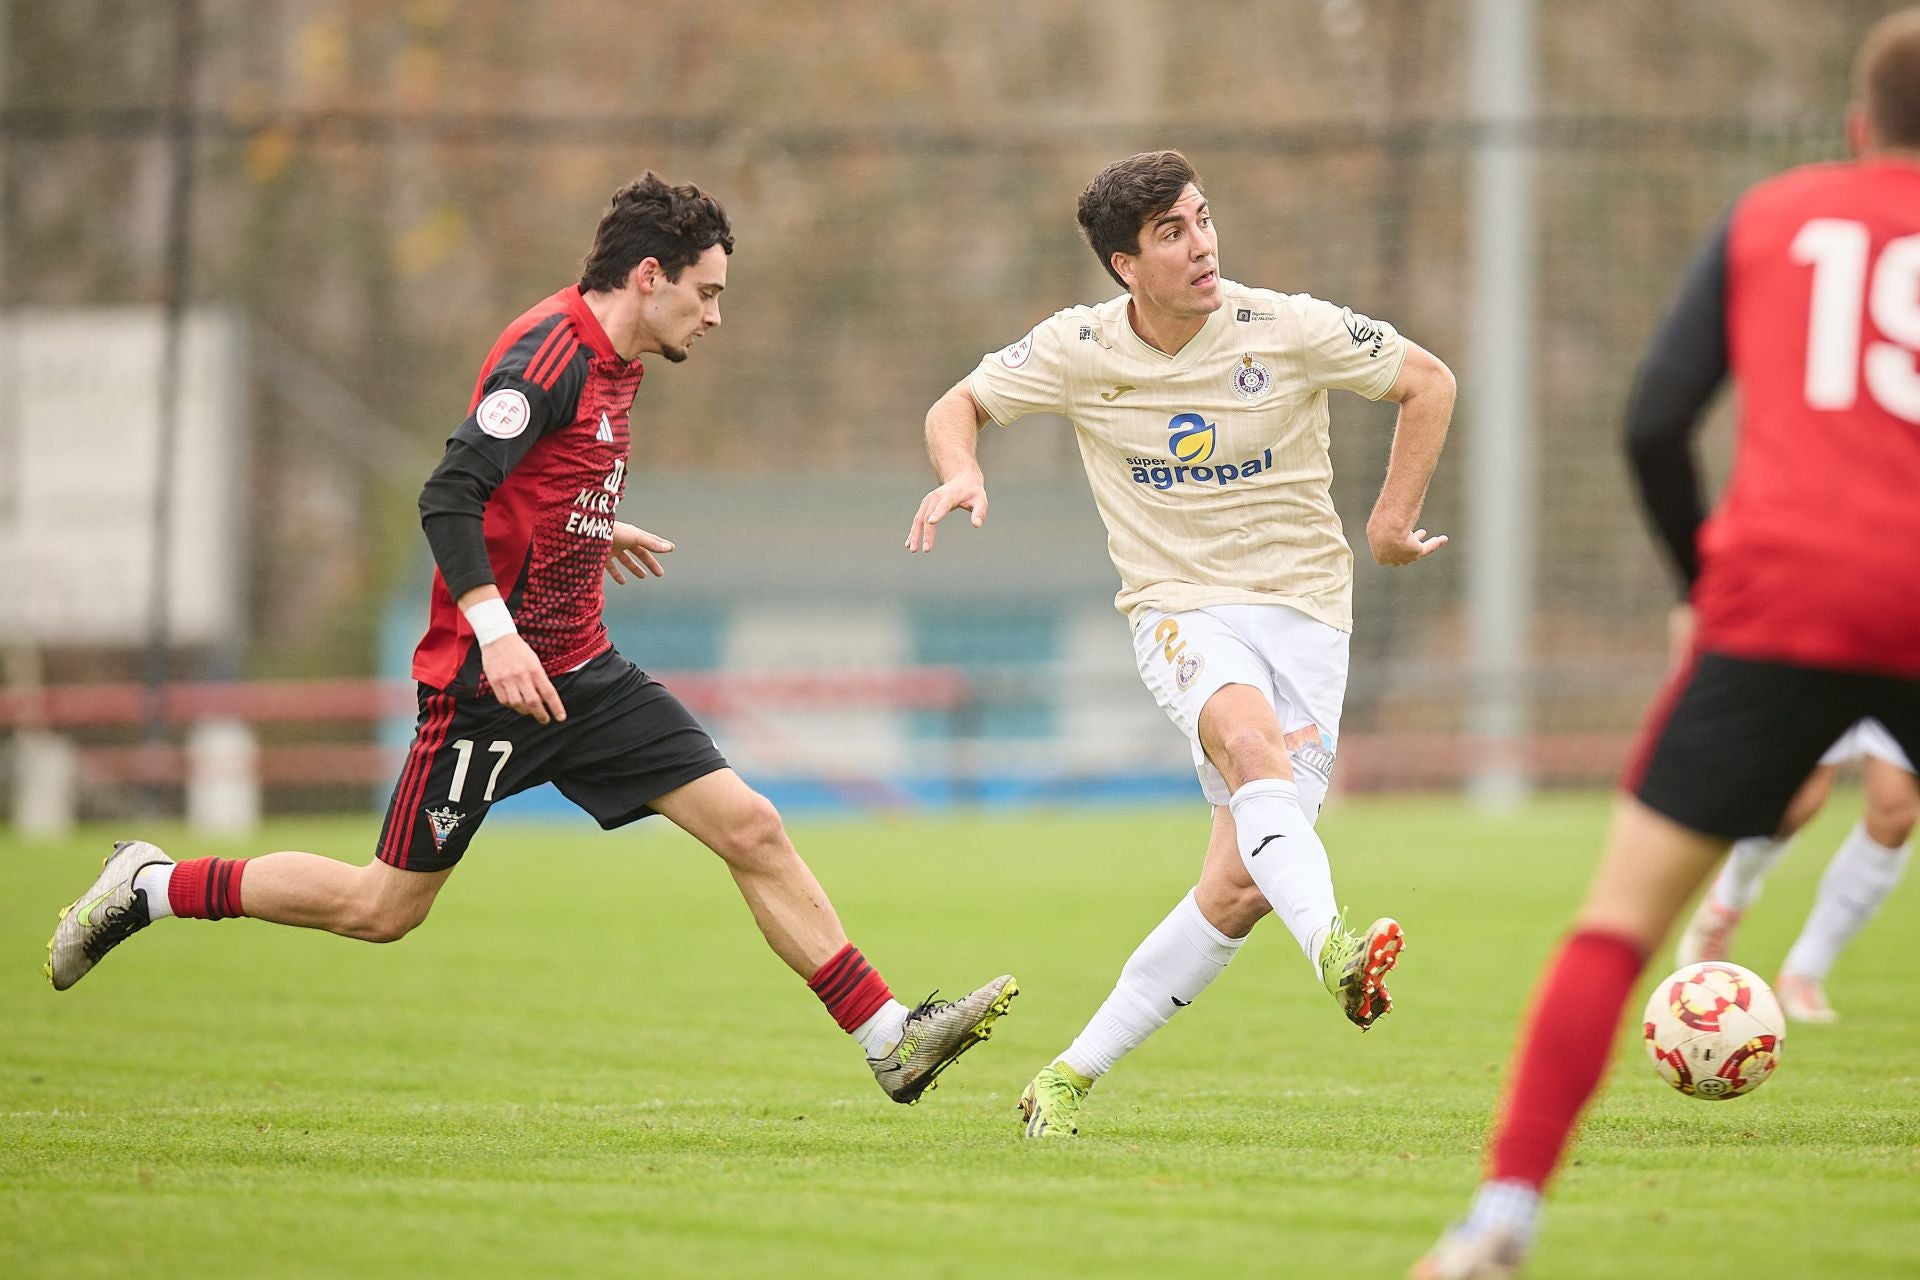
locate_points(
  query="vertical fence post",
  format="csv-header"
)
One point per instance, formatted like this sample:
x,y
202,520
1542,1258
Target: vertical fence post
x,y
1501,476
176,286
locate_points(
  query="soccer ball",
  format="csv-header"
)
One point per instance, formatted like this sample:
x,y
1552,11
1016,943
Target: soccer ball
x,y
1714,1030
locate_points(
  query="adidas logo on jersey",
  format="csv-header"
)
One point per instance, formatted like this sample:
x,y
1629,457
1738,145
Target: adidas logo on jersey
x,y
605,434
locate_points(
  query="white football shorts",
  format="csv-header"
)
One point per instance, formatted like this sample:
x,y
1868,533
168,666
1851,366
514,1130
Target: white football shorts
x,y
1299,664
1868,738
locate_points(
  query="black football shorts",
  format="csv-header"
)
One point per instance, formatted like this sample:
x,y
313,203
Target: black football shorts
x,y
626,741
1730,740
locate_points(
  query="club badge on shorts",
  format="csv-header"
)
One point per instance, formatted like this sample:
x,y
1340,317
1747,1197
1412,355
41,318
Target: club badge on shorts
x,y
1187,669
444,820
1251,379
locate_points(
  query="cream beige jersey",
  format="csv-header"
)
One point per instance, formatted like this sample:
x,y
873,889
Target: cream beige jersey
x,y
1209,466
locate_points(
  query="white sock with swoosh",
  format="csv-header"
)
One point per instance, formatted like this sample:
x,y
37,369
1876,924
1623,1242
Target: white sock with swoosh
x,y
1283,854
878,1034
153,880
1166,973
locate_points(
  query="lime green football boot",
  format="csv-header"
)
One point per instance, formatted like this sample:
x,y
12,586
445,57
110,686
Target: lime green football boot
x,y
1051,1104
1354,966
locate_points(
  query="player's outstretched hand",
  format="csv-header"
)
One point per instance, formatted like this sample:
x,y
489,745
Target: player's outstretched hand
x,y
635,549
518,679
967,492
1396,547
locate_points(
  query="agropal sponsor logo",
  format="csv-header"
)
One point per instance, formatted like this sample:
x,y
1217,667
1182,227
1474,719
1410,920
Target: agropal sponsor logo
x,y
1192,440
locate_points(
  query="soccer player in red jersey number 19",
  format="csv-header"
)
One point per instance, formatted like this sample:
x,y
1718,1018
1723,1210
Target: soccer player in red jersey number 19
x,y
1806,619
518,682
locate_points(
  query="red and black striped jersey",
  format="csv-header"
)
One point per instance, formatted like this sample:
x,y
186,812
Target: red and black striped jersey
x,y
536,470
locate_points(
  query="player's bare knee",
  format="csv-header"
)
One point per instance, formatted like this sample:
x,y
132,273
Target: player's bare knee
x,y
376,914
1891,821
755,837
1251,752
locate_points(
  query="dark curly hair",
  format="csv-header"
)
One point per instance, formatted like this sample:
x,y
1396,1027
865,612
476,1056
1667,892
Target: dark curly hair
x,y
650,219
1122,196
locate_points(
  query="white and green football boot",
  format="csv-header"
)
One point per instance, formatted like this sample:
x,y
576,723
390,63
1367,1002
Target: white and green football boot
x,y
937,1032
1051,1104
106,915
1354,966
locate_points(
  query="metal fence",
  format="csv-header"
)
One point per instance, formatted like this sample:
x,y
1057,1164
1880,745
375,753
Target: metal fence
x,y
372,192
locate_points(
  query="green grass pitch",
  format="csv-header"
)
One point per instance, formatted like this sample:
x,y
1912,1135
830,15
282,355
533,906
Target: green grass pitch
x,y
587,1064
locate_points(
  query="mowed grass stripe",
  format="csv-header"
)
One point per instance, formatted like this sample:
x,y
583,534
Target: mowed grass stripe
x,y
586,1063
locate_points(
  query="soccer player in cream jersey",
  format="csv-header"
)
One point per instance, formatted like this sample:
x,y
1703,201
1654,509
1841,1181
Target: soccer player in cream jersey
x,y
1200,407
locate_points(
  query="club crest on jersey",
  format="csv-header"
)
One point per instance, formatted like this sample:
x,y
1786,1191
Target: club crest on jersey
x,y
1251,379
1187,669
1016,355
504,414
1191,438
443,821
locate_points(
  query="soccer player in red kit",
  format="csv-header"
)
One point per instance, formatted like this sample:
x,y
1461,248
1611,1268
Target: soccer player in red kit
x,y
1806,612
518,682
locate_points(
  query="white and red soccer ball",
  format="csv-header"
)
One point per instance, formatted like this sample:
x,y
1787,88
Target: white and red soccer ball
x,y
1714,1030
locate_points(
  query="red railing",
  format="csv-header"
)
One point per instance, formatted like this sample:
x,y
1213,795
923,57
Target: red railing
x,y
69,708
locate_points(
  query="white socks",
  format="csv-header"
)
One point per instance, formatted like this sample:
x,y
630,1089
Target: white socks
x,y
1284,856
1856,882
1511,1206
153,880
1165,974
1738,884
878,1034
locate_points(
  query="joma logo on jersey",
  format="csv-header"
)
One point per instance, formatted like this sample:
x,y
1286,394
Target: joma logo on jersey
x,y
1191,440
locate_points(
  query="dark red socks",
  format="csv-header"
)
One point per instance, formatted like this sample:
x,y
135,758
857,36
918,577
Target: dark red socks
x,y
206,888
1558,1065
850,988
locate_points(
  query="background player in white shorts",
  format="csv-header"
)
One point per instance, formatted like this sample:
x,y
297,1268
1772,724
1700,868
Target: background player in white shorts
x,y
1865,869
1200,408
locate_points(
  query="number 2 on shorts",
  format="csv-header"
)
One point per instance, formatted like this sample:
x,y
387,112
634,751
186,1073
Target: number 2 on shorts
x,y
1167,633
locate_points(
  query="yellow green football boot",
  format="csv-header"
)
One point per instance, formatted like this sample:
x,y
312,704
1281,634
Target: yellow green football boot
x,y
1052,1101
1354,966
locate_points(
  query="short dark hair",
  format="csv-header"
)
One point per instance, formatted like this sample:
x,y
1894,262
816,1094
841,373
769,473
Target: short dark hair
x,y
650,219
1124,195
1886,77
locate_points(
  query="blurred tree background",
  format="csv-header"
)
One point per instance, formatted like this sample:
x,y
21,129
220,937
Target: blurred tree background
x,y
379,187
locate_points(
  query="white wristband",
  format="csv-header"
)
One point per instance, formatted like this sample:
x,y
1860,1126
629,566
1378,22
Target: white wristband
x,y
490,620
